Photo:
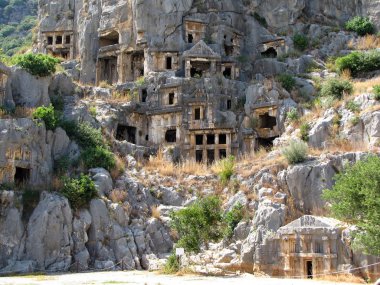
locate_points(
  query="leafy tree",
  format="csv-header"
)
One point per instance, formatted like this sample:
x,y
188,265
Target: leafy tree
x,y
355,198
37,64
199,224
79,191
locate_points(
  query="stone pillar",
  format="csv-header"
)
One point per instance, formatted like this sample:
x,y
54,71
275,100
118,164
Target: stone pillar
x,y
188,68
98,72
213,67
229,147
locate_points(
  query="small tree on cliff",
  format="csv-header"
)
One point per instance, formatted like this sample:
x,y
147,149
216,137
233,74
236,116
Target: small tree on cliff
x,y
355,199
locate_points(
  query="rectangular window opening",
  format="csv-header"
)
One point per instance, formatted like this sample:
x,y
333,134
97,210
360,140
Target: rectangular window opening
x,y
197,113
199,139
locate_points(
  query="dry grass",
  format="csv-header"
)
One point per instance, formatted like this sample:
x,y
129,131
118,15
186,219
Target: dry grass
x,y
118,196
155,212
367,42
19,112
104,84
164,167
339,145
254,162
370,109
361,87
124,97
342,278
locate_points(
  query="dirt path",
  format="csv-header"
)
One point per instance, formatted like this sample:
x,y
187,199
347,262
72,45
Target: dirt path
x,y
150,279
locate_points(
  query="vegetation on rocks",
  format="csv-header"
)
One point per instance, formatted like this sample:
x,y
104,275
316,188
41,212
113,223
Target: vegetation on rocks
x,y
226,168
336,88
295,152
47,115
376,92
361,25
98,157
355,198
233,218
359,61
300,41
79,191
287,81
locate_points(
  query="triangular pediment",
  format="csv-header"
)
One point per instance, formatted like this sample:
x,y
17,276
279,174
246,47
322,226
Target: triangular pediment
x,y
313,222
202,50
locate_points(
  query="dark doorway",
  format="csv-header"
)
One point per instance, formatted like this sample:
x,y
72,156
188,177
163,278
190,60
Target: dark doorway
x,y
267,122
169,63
210,156
144,95
50,40
171,98
199,156
210,139
227,72
197,113
270,53
229,104
58,40
68,40
199,139
190,38
266,143
171,136
222,153
22,175
309,269
126,133
222,139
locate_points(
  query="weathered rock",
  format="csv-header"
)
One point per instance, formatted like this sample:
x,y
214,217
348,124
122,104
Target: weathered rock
x,y
102,179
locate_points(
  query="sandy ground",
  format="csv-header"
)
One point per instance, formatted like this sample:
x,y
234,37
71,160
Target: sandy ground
x,y
150,279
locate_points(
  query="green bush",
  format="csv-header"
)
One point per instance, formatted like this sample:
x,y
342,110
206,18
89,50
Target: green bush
x,y
199,223
84,134
361,25
287,81
48,115
79,191
292,115
376,92
358,62
37,64
233,218
304,132
171,265
226,169
301,42
336,88
295,152
355,198
98,157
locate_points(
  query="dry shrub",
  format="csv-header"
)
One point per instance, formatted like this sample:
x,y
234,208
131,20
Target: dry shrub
x,y
155,212
366,86
119,168
104,84
346,74
23,112
118,196
368,42
342,278
56,183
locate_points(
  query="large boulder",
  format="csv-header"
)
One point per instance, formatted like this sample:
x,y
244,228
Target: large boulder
x,y
48,238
